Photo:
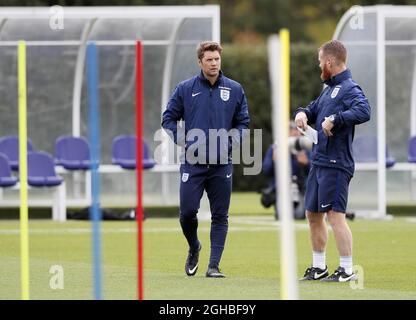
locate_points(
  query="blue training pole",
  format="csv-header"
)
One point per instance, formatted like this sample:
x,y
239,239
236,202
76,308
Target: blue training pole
x,y
94,134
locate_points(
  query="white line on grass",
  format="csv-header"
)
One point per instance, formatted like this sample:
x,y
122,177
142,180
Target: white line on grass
x,y
266,221
79,231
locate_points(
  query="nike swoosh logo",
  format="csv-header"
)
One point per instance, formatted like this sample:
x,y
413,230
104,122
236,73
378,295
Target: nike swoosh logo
x,y
349,278
193,270
318,275
324,206
229,175
195,94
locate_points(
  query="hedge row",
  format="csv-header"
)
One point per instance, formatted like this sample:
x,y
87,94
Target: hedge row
x,y
249,66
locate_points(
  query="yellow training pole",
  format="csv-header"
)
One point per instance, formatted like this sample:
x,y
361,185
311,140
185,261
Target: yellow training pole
x,y
285,61
288,247
24,216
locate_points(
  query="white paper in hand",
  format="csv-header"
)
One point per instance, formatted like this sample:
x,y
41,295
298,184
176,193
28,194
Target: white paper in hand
x,y
310,133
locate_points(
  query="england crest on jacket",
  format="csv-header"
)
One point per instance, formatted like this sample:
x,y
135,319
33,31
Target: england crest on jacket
x,y
185,177
225,95
335,91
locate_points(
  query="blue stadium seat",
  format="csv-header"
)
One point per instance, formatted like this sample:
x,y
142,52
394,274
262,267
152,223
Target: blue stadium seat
x,y
41,173
6,177
10,147
390,161
365,150
124,152
73,153
41,170
412,150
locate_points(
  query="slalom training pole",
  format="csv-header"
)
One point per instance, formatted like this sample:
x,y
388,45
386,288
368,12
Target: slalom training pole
x,y
94,138
288,241
139,167
24,214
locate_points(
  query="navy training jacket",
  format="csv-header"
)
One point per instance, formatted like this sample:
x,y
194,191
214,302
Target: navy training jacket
x,y
205,106
344,99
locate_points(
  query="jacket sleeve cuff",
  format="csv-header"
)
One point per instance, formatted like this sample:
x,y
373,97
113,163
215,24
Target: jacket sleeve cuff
x,y
337,120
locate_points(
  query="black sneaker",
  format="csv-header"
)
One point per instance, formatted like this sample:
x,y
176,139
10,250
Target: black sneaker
x,y
214,272
340,275
191,265
314,274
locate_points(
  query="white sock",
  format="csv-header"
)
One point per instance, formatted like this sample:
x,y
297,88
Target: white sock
x,y
318,260
346,263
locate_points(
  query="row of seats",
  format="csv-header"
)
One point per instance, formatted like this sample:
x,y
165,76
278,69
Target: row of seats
x,y
41,170
365,150
72,153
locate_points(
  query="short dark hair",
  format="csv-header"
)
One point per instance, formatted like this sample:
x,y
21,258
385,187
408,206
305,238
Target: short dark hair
x,y
336,49
207,46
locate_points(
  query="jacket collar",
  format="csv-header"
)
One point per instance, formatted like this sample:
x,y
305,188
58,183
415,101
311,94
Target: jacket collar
x,y
344,75
202,78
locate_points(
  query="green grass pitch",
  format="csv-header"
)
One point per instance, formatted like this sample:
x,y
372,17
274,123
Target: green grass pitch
x,y
384,249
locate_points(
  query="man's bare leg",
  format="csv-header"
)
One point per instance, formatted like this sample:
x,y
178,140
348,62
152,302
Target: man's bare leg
x,y
318,230
343,238
319,238
342,232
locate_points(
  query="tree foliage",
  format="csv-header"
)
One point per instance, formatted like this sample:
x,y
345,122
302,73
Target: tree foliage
x,y
248,21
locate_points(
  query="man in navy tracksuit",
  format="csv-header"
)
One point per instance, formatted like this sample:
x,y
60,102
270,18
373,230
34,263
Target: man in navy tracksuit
x,y
339,108
207,102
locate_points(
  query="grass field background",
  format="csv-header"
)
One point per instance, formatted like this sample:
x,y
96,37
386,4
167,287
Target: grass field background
x,y
384,249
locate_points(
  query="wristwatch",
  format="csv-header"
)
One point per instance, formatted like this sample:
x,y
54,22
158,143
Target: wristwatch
x,y
332,118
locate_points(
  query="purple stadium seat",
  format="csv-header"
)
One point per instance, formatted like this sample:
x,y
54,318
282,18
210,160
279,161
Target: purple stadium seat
x,y
412,149
6,177
10,147
365,150
41,170
73,153
124,152
390,161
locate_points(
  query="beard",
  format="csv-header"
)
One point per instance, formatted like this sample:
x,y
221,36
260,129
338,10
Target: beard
x,y
325,74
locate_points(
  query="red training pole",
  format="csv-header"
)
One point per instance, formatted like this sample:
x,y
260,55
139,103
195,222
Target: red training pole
x,y
139,167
